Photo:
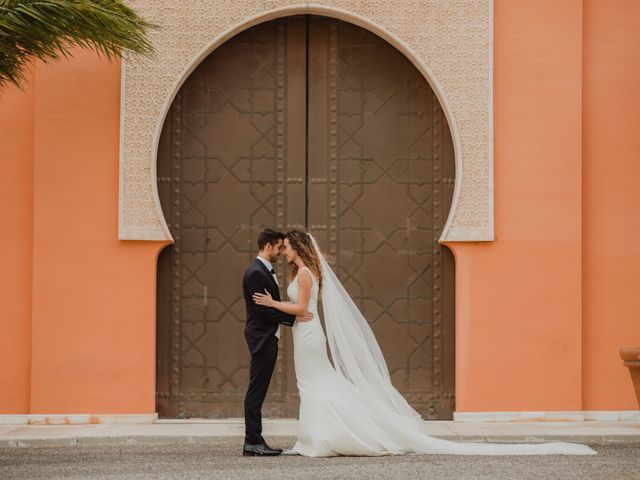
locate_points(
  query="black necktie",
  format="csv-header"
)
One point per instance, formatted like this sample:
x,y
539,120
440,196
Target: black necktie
x,y
273,272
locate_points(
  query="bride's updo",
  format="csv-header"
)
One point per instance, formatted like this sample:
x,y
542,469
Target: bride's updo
x,y
301,242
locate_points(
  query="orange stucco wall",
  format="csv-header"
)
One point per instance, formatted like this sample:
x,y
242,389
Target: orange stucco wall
x,y
16,196
91,309
611,199
541,312
518,325
93,296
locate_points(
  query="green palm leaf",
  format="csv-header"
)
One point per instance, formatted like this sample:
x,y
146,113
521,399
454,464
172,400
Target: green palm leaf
x,y
47,30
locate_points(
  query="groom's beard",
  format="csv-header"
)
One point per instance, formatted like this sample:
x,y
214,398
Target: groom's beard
x,y
273,258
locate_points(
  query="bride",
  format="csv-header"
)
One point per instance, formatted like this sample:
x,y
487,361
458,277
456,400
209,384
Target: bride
x,y
351,407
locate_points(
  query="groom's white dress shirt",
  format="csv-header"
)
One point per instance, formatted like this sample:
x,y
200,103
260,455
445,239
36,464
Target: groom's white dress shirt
x,y
267,264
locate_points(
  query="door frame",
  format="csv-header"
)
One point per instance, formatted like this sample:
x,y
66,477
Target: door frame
x,y
434,41
293,34
447,47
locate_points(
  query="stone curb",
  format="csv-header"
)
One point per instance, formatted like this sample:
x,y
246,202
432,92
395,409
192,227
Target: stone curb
x,y
599,439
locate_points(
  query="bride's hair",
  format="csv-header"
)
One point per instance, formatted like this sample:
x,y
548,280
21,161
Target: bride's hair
x,y
301,242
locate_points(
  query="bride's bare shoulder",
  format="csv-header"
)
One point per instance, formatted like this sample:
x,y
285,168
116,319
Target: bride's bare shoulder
x,y
307,276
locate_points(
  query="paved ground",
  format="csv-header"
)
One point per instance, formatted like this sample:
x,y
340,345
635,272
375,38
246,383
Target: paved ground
x,y
185,431
220,459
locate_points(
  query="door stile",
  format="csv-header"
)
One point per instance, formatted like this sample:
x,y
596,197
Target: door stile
x,y
291,173
322,147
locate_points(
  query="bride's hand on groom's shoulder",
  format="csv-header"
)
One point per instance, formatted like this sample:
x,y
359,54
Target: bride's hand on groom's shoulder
x,y
264,299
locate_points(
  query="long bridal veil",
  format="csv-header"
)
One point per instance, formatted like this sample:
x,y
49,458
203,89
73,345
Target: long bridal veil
x,y
357,357
353,346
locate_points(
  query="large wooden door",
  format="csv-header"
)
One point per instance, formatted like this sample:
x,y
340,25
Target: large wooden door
x,y
304,121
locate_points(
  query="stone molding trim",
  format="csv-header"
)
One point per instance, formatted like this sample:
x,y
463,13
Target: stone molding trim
x,y
78,418
449,41
555,416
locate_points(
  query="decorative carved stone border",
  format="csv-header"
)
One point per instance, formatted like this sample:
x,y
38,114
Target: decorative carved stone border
x,y
449,41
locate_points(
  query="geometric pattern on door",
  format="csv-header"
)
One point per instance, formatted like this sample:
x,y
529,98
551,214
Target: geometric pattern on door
x,y
314,122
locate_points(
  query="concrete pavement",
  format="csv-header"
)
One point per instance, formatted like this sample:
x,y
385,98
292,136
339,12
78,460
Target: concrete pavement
x,y
220,458
202,431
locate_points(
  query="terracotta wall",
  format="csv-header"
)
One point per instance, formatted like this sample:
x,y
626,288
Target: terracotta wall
x,y
93,296
519,322
92,304
16,197
611,199
541,311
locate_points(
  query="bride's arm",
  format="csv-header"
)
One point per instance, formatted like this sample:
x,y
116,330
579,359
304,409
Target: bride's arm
x,y
300,308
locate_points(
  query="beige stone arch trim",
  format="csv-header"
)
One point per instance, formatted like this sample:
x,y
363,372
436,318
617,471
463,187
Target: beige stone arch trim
x,y
449,41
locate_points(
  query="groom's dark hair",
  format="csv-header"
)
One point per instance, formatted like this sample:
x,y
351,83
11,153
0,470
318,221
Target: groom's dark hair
x,y
269,236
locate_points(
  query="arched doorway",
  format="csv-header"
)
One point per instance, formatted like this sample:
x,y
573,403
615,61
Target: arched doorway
x,y
304,121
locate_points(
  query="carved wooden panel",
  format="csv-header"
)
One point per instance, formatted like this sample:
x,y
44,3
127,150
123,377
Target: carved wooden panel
x,y
381,181
450,41
317,122
221,177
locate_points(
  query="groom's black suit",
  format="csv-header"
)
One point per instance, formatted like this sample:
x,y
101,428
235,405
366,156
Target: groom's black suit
x,y
262,323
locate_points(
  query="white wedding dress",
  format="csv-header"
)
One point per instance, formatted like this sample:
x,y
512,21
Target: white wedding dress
x,y
337,418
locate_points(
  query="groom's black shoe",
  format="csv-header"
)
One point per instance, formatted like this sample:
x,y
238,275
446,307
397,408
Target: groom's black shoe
x,y
260,450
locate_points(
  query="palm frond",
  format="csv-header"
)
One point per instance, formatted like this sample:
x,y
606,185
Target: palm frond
x,y
47,30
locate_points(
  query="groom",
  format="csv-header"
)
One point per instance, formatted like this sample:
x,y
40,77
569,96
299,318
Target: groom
x,y
262,333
